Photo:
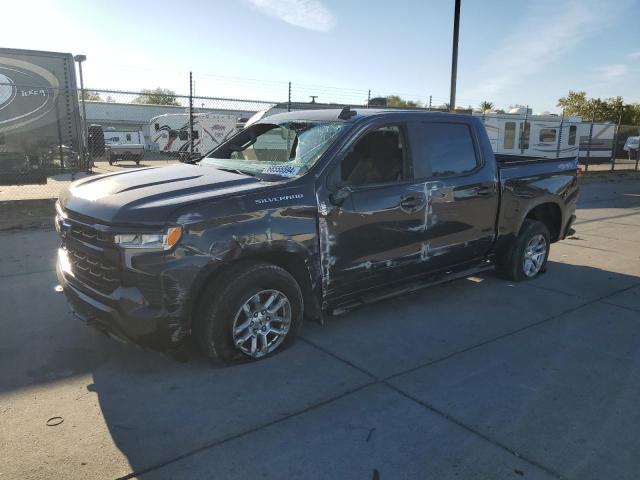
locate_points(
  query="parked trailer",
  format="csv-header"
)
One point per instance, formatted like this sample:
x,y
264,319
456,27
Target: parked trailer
x,y
548,136
39,115
171,132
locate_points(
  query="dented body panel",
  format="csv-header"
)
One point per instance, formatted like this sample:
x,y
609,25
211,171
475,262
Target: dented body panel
x,y
373,239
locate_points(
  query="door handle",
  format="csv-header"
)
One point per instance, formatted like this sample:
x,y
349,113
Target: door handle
x,y
412,201
485,191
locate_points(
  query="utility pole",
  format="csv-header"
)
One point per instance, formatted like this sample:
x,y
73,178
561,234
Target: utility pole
x,y
368,98
84,144
190,115
289,99
430,98
454,56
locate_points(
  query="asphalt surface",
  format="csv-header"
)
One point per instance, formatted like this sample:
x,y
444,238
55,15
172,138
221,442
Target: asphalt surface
x,y
476,379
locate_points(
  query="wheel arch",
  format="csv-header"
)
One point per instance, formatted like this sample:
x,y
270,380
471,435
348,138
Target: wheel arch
x,y
295,263
548,213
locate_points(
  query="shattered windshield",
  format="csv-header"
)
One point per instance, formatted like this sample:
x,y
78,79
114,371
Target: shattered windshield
x,y
286,149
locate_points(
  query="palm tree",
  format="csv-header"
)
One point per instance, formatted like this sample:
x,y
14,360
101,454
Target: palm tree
x,y
485,106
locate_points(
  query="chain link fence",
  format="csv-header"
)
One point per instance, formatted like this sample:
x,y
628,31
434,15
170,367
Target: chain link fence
x,y
45,143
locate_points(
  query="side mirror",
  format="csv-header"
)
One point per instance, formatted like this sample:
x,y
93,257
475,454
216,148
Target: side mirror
x,y
338,197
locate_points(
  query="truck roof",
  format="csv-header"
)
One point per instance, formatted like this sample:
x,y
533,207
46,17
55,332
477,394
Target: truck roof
x,y
333,114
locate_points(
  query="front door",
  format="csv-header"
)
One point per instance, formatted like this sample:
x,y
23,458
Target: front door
x,y
369,220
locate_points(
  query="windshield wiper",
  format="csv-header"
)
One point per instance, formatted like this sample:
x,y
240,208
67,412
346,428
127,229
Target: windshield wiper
x,y
235,170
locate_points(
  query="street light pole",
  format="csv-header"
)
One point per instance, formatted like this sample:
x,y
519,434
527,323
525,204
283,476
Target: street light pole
x,y
454,56
83,140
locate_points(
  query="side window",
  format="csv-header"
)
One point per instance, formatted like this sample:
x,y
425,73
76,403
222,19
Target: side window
x,y
573,130
525,130
173,134
547,135
128,137
156,126
183,135
196,134
509,135
378,157
442,149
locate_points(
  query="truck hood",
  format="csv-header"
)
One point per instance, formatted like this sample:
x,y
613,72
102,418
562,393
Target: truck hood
x,y
149,195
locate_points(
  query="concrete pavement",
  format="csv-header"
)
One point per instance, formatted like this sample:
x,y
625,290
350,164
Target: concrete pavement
x,y
478,378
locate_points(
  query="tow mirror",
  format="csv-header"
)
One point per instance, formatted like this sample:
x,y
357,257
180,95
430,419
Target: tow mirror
x,y
339,196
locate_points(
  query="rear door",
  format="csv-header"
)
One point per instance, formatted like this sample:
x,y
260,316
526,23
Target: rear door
x,y
461,189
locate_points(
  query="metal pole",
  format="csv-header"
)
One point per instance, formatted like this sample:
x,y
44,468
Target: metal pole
x,y
430,98
454,56
615,139
368,98
190,115
593,119
560,135
289,99
83,140
524,130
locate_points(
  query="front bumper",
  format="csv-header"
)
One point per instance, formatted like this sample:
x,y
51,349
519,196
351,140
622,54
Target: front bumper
x,y
124,314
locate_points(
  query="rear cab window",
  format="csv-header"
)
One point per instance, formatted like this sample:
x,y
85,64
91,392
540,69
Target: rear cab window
x,y
442,149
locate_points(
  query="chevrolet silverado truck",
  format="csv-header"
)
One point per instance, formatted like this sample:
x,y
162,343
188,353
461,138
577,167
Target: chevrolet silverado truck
x,y
303,214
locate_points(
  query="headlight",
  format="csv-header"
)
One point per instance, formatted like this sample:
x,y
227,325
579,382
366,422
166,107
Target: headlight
x,y
149,241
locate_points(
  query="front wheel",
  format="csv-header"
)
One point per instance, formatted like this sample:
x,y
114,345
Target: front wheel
x,y
256,311
528,255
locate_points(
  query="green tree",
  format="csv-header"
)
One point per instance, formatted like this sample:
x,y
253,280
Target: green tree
x,y
397,102
158,96
90,96
607,110
485,106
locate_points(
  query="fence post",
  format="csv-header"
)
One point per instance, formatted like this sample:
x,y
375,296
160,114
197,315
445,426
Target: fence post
x,y
638,153
83,144
190,115
524,129
560,135
289,99
615,139
586,165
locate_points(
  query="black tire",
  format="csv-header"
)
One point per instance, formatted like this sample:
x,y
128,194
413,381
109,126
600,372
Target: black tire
x,y
511,265
213,324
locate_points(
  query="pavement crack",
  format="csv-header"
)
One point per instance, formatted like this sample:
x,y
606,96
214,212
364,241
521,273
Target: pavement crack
x,y
244,433
475,432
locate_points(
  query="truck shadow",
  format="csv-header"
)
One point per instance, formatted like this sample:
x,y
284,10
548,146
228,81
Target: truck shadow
x,y
158,409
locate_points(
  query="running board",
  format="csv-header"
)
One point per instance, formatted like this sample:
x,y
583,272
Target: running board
x,y
409,288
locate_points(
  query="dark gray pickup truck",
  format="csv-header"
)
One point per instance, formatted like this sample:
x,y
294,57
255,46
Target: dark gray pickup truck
x,y
303,214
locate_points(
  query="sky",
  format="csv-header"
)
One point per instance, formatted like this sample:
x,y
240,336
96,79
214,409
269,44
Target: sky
x,y
511,52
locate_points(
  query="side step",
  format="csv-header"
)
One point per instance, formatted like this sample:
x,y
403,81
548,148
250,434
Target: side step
x,y
407,288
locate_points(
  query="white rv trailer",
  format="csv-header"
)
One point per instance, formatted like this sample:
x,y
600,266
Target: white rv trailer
x,y
548,136
122,137
171,131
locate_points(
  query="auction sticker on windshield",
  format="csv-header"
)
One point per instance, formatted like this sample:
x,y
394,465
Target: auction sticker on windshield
x,y
282,170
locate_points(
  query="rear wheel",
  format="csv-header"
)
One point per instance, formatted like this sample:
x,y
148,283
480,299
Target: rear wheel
x,y
255,313
527,257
